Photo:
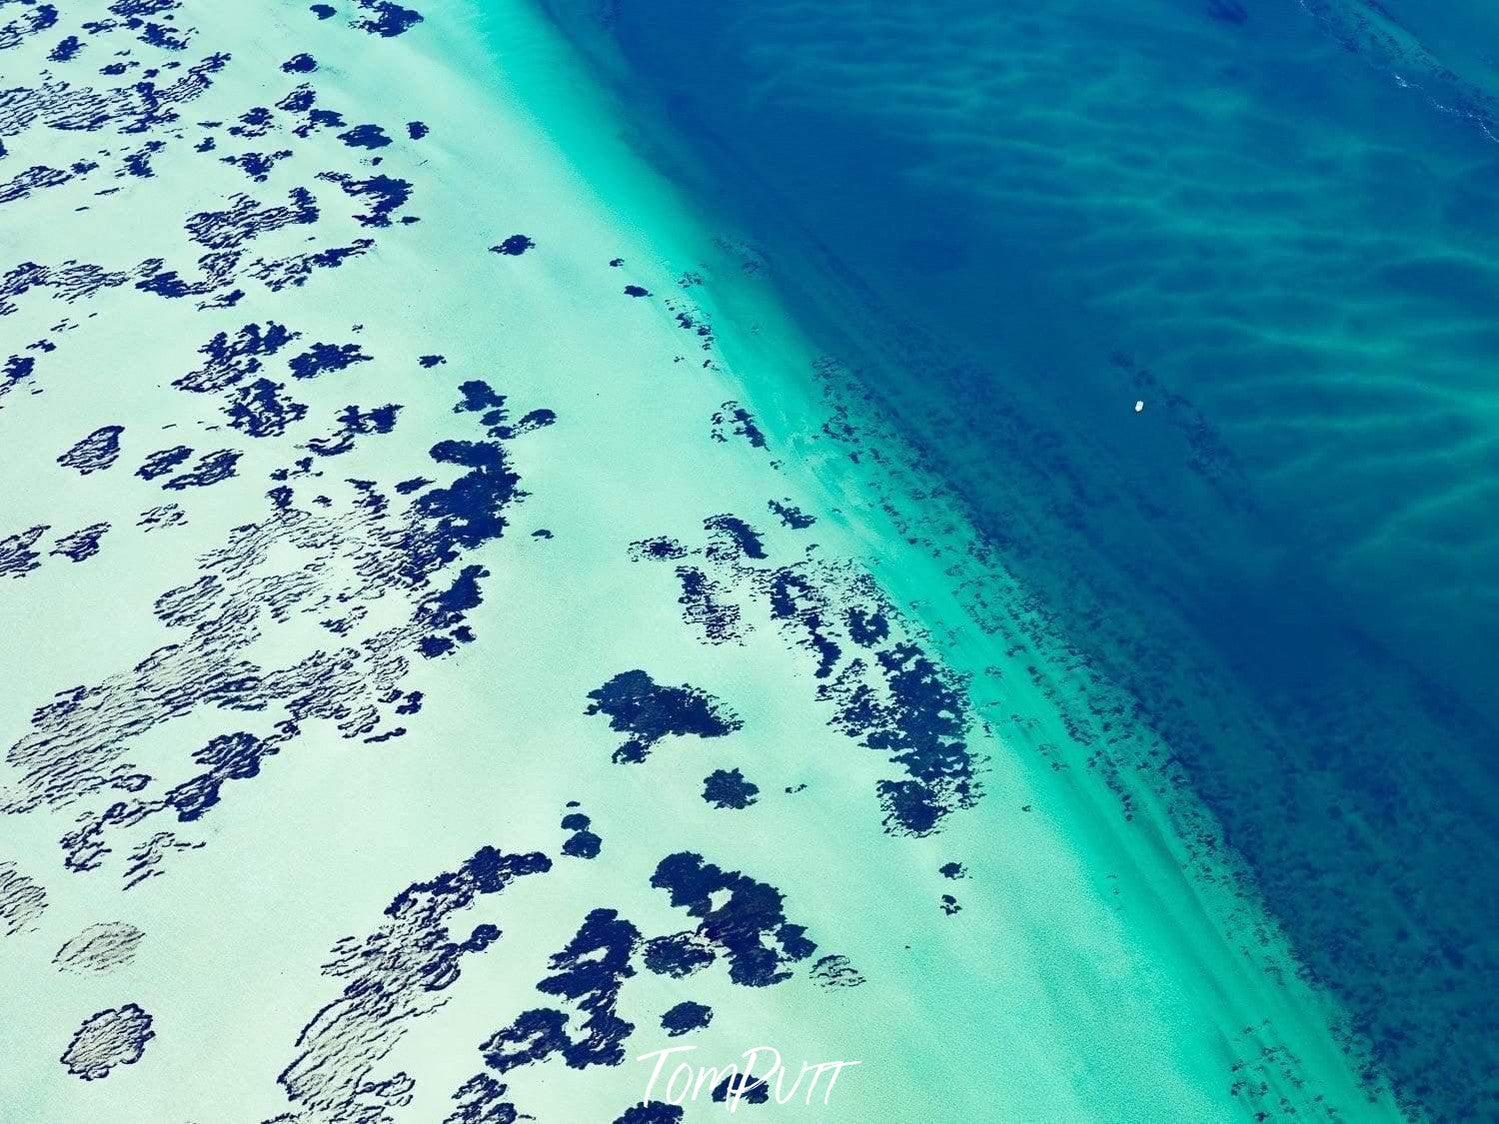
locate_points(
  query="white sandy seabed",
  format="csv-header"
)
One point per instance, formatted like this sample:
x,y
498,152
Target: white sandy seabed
x,y
1095,971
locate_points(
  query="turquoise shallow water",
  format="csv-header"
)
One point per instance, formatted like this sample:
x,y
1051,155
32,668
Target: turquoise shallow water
x,y
537,534
1274,225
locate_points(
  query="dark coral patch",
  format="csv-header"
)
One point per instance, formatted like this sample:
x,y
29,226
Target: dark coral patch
x,y
257,165
742,538
163,461
81,544
260,410
210,469
657,548
16,554
582,844
480,1101
67,50
387,19
22,899
94,453
686,1016
791,515
478,395
920,719
707,604
866,627
514,246
365,136
836,971
388,195
638,706
747,922
99,949
678,954
228,757
588,973
228,361
323,357
108,1038
729,789
651,1112
732,419
398,973
744,1088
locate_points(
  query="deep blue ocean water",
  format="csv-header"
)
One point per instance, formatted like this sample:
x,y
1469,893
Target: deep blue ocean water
x,y
1275,224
